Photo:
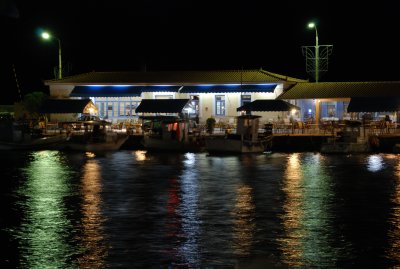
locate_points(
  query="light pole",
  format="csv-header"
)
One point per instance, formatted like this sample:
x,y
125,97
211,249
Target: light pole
x,y
46,35
313,25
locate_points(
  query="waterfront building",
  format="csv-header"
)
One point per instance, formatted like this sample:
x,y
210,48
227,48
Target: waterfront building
x,y
212,93
219,93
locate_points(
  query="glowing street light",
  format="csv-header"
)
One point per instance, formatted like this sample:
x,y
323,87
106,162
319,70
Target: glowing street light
x,y
313,25
48,36
317,57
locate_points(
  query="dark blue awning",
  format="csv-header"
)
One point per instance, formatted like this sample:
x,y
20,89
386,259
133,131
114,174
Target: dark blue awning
x,y
267,105
106,91
118,91
236,88
374,104
64,105
161,105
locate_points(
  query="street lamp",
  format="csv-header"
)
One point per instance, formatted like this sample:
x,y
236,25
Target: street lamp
x,y
47,36
313,25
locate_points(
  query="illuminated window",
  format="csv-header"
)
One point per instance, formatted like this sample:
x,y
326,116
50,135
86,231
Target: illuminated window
x,y
220,105
244,99
331,107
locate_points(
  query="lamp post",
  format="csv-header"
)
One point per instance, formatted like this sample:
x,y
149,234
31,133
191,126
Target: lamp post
x,y
316,62
313,25
46,35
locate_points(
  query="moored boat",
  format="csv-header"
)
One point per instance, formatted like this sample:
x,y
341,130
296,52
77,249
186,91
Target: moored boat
x,y
170,133
41,143
92,135
246,139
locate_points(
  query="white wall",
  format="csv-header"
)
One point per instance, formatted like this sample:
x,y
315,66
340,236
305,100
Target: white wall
x,y
60,91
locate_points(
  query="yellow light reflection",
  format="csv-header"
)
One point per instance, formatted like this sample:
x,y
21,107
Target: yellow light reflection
x,y
291,244
45,224
244,226
307,218
92,221
140,155
90,154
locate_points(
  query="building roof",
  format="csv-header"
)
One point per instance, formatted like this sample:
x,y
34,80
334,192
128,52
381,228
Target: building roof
x,y
174,78
118,91
161,105
64,105
320,90
267,105
238,88
376,104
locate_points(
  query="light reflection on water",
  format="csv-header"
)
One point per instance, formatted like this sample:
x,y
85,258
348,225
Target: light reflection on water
x,y
132,209
92,238
394,232
244,225
45,226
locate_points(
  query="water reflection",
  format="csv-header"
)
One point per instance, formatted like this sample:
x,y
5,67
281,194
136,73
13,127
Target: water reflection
x,y
291,243
244,225
394,221
139,210
308,216
92,220
189,250
375,163
140,155
45,225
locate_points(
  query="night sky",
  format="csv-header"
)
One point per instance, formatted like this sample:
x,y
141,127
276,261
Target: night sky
x,y
162,35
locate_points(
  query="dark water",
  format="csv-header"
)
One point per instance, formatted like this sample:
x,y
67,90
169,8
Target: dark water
x,y
131,209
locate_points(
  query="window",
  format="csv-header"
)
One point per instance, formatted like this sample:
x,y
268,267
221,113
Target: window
x,y
220,105
244,99
194,105
331,107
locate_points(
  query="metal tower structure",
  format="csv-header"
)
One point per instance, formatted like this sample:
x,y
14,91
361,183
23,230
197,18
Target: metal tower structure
x,y
317,56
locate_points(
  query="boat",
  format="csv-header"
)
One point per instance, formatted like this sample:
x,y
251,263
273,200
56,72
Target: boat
x,y
169,127
18,136
170,133
40,143
245,140
92,134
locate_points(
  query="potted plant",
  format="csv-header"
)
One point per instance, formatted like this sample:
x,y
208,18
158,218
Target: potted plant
x,y
210,124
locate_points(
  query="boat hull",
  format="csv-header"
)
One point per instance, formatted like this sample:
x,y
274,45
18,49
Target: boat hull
x,y
158,144
82,144
43,143
226,145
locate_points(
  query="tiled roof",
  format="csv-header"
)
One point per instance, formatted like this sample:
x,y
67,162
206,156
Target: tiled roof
x,y
342,90
174,78
228,88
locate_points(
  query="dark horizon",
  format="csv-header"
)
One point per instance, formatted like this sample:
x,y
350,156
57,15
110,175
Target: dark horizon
x,y
100,36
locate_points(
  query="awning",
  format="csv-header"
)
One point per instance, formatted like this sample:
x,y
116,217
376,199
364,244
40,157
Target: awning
x,y
64,105
374,104
161,105
157,88
267,105
106,91
236,88
118,91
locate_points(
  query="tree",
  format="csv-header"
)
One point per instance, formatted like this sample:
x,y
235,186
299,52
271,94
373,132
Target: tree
x,y
32,102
